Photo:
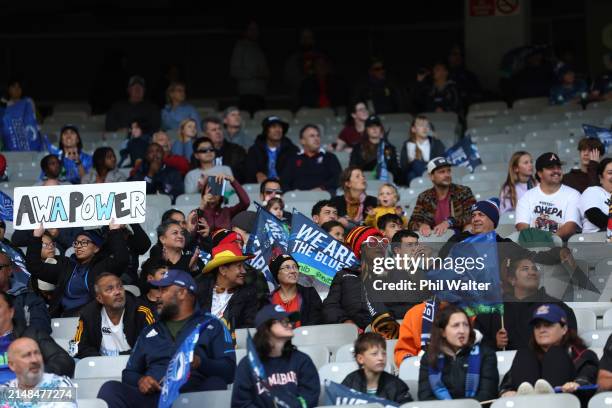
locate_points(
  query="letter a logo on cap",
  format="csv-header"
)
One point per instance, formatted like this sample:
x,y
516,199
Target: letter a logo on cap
x,y
553,157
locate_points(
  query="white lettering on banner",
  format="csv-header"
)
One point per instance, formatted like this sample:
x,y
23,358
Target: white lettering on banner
x,y
84,205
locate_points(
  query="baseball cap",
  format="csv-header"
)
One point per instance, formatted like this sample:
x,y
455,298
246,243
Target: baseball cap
x,y
373,120
274,312
136,80
435,163
548,160
549,312
176,277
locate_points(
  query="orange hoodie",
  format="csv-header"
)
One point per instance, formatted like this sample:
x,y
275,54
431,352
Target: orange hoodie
x,y
409,342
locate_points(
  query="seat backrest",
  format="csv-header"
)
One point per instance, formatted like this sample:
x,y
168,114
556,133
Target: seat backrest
x,y
596,338
586,319
504,362
607,319
89,387
96,367
64,327
601,400
336,372
409,369
344,354
328,334
319,355
458,403
562,400
220,398
91,403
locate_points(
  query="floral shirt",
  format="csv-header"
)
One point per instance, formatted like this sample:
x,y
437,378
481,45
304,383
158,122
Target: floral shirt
x,y
49,381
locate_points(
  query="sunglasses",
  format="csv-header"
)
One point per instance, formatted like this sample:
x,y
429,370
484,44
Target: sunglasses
x,y
373,242
205,150
271,191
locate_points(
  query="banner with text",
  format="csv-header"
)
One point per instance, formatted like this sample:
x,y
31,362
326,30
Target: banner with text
x,y
84,205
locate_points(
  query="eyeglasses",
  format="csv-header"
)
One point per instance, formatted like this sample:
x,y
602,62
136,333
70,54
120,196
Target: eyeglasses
x,y
273,191
290,268
81,244
373,242
48,244
205,150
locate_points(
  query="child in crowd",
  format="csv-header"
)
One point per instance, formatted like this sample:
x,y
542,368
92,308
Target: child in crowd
x,y
335,229
371,377
388,199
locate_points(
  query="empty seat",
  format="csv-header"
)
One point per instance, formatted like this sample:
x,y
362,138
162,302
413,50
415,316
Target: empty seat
x,y
598,307
456,403
586,320
336,372
601,400
504,362
596,338
298,195
64,327
607,319
241,337
328,335
220,398
63,343
89,387
96,367
192,200
161,201
91,403
284,114
562,400
319,355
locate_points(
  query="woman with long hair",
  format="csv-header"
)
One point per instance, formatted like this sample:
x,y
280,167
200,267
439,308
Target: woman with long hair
x,y
187,132
420,148
354,204
354,127
288,372
519,180
75,162
455,365
556,357
104,168
176,109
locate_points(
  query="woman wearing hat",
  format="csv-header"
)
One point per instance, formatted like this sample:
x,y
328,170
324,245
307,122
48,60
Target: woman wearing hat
x,y
287,372
556,357
74,277
292,296
223,290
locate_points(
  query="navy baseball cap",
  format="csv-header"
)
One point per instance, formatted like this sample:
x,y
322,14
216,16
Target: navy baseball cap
x,y
176,277
274,312
549,312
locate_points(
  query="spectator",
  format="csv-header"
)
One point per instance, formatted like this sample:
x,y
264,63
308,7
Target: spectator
x,y
444,206
569,89
324,211
56,359
276,207
604,376
222,288
271,188
365,155
177,110
187,133
370,352
110,325
289,371
378,91
75,162
293,297
171,236
195,230
30,309
27,364
595,201
242,224
388,200
354,204
389,224
420,148
160,177
227,153
550,206
271,152
233,132
214,360
62,238
453,355
74,277
601,88
3,174
51,168
138,244
14,94
172,160
312,168
467,82
519,180
323,88
152,270
136,109
104,168
535,79
300,64
525,297
211,205
335,229
249,68
440,94
204,164
556,356
136,147
354,128
591,150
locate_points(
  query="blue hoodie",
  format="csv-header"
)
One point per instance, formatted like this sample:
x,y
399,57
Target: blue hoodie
x,y
296,374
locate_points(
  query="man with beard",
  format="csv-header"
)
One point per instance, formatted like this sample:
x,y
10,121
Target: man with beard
x,y
110,325
26,361
214,359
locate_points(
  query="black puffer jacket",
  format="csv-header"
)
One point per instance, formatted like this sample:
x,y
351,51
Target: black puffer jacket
x,y
454,372
57,360
257,157
345,300
389,386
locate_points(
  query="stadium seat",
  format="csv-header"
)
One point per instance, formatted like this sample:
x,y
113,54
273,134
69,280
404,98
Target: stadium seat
x,y
586,320
192,200
319,355
494,106
298,195
607,319
89,387
284,114
504,362
456,403
601,400
221,398
599,308
596,338
343,158
396,117
133,289
305,207
330,335
434,238
562,400
336,372
64,327
538,102
314,114
508,218
91,403
525,128
161,201
599,351
489,175
372,405
105,366
241,337
409,369
240,354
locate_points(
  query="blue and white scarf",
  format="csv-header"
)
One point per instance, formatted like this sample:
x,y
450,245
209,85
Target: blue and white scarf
x,y
472,378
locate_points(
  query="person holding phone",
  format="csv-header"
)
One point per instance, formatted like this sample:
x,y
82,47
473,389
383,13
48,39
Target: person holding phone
x,y
203,163
75,163
211,205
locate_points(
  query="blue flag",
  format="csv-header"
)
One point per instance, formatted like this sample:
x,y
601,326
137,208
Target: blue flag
x,y
20,272
475,287
603,134
19,127
338,394
318,254
382,173
269,239
464,153
6,207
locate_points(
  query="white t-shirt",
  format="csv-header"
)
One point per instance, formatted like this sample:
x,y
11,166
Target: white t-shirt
x,y
593,197
114,341
219,303
424,147
548,212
